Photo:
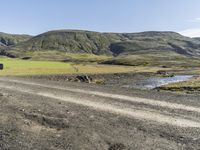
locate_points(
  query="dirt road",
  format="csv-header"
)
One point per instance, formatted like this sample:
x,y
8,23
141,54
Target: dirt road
x,y
37,114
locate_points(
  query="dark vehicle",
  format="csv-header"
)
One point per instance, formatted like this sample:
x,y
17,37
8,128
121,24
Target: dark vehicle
x,y
1,66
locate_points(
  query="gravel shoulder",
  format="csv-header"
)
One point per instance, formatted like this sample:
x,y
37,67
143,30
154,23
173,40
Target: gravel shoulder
x,y
64,119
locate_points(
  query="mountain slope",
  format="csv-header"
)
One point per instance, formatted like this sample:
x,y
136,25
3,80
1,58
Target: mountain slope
x,y
157,41
68,41
75,41
12,39
7,40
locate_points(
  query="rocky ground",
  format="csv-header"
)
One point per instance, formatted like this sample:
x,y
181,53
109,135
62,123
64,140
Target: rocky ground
x,y
57,115
105,80
129,81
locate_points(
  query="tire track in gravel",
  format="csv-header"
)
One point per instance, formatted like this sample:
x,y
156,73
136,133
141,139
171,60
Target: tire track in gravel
x,y
107,107
114,96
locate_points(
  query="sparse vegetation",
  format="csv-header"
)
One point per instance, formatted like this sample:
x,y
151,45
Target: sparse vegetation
x,y
186,86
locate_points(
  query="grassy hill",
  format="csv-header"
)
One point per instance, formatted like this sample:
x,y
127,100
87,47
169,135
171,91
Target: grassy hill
x,y
7,40
67,41
116,48
12,39
75,41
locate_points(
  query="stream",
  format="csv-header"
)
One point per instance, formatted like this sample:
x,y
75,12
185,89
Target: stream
x,y
155,82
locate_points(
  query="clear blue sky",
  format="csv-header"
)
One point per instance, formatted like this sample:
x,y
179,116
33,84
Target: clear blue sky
x,y
37,16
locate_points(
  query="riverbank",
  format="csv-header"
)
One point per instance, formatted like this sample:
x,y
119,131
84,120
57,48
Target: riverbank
x,y
129,81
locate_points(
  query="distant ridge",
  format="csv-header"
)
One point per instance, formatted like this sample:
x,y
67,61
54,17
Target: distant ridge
x,y
79,41
12,39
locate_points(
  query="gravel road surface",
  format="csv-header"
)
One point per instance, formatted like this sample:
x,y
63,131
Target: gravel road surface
x,y
42,114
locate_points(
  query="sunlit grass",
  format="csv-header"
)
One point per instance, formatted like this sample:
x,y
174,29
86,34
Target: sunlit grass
x,y
23,67
17,67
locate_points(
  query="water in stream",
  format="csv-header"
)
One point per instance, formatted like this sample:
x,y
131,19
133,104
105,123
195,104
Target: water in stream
x,y
154,82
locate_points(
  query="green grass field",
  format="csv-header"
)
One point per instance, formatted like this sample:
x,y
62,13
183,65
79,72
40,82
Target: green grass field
x,y
17,67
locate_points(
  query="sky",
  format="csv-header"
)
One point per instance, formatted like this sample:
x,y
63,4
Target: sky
x,y
38,16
